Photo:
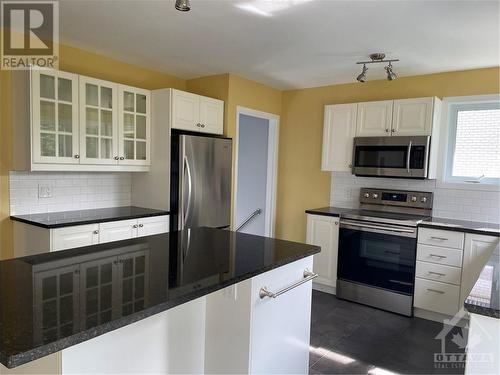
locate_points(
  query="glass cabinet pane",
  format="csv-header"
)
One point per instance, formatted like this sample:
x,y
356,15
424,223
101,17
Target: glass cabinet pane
x,y
92,150
106,148
128,125
141,103
48,144
65,145
47,87
140,150
47,116
128,101
65,117
91,94
92,126
140,127
64,89
106,97
129,150
106,123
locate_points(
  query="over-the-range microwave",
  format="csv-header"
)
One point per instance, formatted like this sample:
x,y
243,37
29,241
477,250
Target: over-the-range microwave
x,y
406,157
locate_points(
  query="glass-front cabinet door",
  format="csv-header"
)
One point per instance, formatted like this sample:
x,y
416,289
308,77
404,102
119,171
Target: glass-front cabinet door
x,y
98,121
134,126
55,117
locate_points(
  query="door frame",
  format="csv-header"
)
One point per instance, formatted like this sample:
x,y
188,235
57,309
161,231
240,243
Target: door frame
x,y
272,166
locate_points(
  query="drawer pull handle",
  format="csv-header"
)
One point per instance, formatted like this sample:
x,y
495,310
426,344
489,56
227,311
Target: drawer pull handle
x,y
435,291
436,273
308,275
439,238
438,256
134,226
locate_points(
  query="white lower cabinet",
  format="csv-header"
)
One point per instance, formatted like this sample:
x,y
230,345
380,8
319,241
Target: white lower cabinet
x,y
323,231
77,236
30,239
436,296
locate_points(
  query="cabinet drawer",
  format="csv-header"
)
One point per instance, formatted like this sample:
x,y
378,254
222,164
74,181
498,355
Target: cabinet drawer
x,y
435,296
439,255
438,272
77,236
149,226
117,230
439,237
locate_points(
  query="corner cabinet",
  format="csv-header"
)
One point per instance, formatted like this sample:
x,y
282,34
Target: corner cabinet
x,y
197,113
323,231
69,122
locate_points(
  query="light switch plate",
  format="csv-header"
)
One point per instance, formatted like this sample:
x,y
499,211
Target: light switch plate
x,y
44,191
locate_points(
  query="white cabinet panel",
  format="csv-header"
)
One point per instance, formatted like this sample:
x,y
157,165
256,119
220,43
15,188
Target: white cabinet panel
x,y
477,251
439,255
435,296
440,237
185,110
280,331
413,116
211,115
54,121
77,236
374,118
323,231
339,130
117,230
438,272
149,226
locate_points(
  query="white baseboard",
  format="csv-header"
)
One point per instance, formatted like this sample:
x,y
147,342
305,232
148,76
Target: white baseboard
x,y
436,317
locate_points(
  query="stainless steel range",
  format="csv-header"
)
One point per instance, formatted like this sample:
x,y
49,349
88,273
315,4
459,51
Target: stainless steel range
x,y
377,248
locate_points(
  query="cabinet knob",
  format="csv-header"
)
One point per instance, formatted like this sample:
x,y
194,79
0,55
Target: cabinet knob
x,y
134,226
393,130
336,223
198,125
387,130
77,156
122,158
96,232
116,158
202,125
141,225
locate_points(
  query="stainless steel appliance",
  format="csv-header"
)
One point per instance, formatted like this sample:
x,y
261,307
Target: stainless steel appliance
x,y
377,248
200,183
391,156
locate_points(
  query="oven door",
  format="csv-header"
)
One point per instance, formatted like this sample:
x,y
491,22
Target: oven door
x,y
391,156
377,255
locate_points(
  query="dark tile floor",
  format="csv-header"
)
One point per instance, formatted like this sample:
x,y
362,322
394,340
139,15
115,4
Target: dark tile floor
x,y
349,338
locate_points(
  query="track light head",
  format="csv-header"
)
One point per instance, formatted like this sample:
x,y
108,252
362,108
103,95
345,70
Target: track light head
x,y
362,77
182,5
391,76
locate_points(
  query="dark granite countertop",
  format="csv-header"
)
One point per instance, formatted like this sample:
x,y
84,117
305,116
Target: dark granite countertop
x,y
489,229
328,211
69,218
51,301
484,298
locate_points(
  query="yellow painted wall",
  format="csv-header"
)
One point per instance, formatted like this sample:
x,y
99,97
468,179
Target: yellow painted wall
x,y
76,61
301,184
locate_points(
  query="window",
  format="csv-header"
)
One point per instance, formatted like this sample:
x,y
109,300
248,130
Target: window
x,y
474,146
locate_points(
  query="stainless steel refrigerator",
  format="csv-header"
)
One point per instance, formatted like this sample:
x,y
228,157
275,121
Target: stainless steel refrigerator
x,y
200,183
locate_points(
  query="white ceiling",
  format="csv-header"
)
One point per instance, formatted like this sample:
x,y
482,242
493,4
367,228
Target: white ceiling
x,y
287,43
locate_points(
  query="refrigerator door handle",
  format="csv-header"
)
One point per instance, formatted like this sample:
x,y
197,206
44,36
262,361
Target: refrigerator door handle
x,y
190,188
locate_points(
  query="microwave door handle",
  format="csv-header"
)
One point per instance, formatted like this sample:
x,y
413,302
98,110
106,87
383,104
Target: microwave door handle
x,y
408,157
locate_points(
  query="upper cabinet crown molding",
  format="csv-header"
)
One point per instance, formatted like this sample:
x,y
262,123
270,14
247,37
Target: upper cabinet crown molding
x,y
69,122
197,113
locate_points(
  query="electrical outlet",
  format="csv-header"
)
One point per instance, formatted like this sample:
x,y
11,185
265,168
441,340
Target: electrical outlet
x,y
44,191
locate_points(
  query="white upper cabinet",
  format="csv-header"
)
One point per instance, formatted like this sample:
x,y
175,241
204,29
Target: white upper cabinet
x,y
54,126
374,118
197,113
339,130
134,125
98,122
413,116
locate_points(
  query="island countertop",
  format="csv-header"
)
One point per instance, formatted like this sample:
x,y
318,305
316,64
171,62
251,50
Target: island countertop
x,y
52,301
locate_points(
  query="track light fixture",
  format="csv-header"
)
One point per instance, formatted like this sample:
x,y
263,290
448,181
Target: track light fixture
x,y
377,58
182,5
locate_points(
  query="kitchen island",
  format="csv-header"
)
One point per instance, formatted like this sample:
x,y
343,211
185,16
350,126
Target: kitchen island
x,y
194,301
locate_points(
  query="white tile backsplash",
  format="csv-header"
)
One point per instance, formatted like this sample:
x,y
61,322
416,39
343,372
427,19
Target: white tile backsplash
x,y
70,191
448,203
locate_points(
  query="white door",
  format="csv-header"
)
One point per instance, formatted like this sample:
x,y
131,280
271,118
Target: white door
x,y
185,111
338,132
323,231
99,121
117,230
54,98
477,251
374,118
211,115
148,226
280,327
413,116
134,125
77,236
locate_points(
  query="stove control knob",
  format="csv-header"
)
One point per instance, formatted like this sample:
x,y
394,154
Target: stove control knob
x,y
374,195
423,199
367,195
413,198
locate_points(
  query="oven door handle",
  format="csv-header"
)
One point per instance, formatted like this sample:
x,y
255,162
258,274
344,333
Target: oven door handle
x,y
408,157
371,226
